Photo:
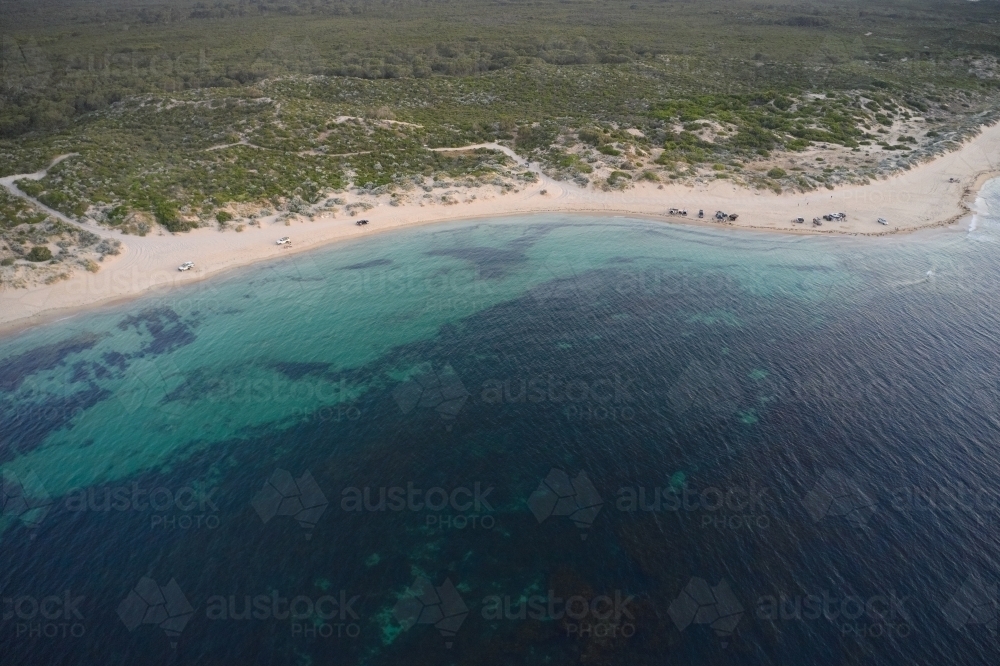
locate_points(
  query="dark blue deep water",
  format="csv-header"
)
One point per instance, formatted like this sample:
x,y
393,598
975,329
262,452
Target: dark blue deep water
x,y
542,440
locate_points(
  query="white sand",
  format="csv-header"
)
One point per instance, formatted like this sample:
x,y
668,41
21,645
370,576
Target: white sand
x,y
915,199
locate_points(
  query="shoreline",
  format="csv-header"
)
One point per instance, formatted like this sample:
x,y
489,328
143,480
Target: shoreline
x,y
926,196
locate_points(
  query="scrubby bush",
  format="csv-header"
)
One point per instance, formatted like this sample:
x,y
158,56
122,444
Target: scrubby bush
x,y
39,253
617,176
87,238
109,246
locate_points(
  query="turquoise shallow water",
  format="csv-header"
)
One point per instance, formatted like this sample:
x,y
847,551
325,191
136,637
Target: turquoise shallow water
x,y
267,413
340,309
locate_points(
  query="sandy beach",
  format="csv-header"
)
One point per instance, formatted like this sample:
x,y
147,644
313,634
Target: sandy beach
x,y
936,193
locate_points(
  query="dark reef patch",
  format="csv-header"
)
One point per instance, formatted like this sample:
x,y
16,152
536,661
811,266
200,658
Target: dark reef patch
x,y
168,330
14,370
115,359
28,424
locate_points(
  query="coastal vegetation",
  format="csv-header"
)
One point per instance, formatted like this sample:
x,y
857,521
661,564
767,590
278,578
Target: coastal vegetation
x,y
208,113
28,236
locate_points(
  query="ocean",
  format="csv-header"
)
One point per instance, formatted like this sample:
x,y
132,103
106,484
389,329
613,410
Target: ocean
x,y
537,440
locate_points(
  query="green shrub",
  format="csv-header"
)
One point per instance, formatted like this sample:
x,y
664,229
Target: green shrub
x,y
39,253
776,173
608,150
539,136
591,136
223,216
117,215
167,215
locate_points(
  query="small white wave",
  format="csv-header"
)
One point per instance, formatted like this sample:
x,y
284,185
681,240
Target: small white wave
x,y
981,210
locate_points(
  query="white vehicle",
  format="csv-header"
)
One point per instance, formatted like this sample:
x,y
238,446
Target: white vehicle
x,y
186,266
284,240
882,220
